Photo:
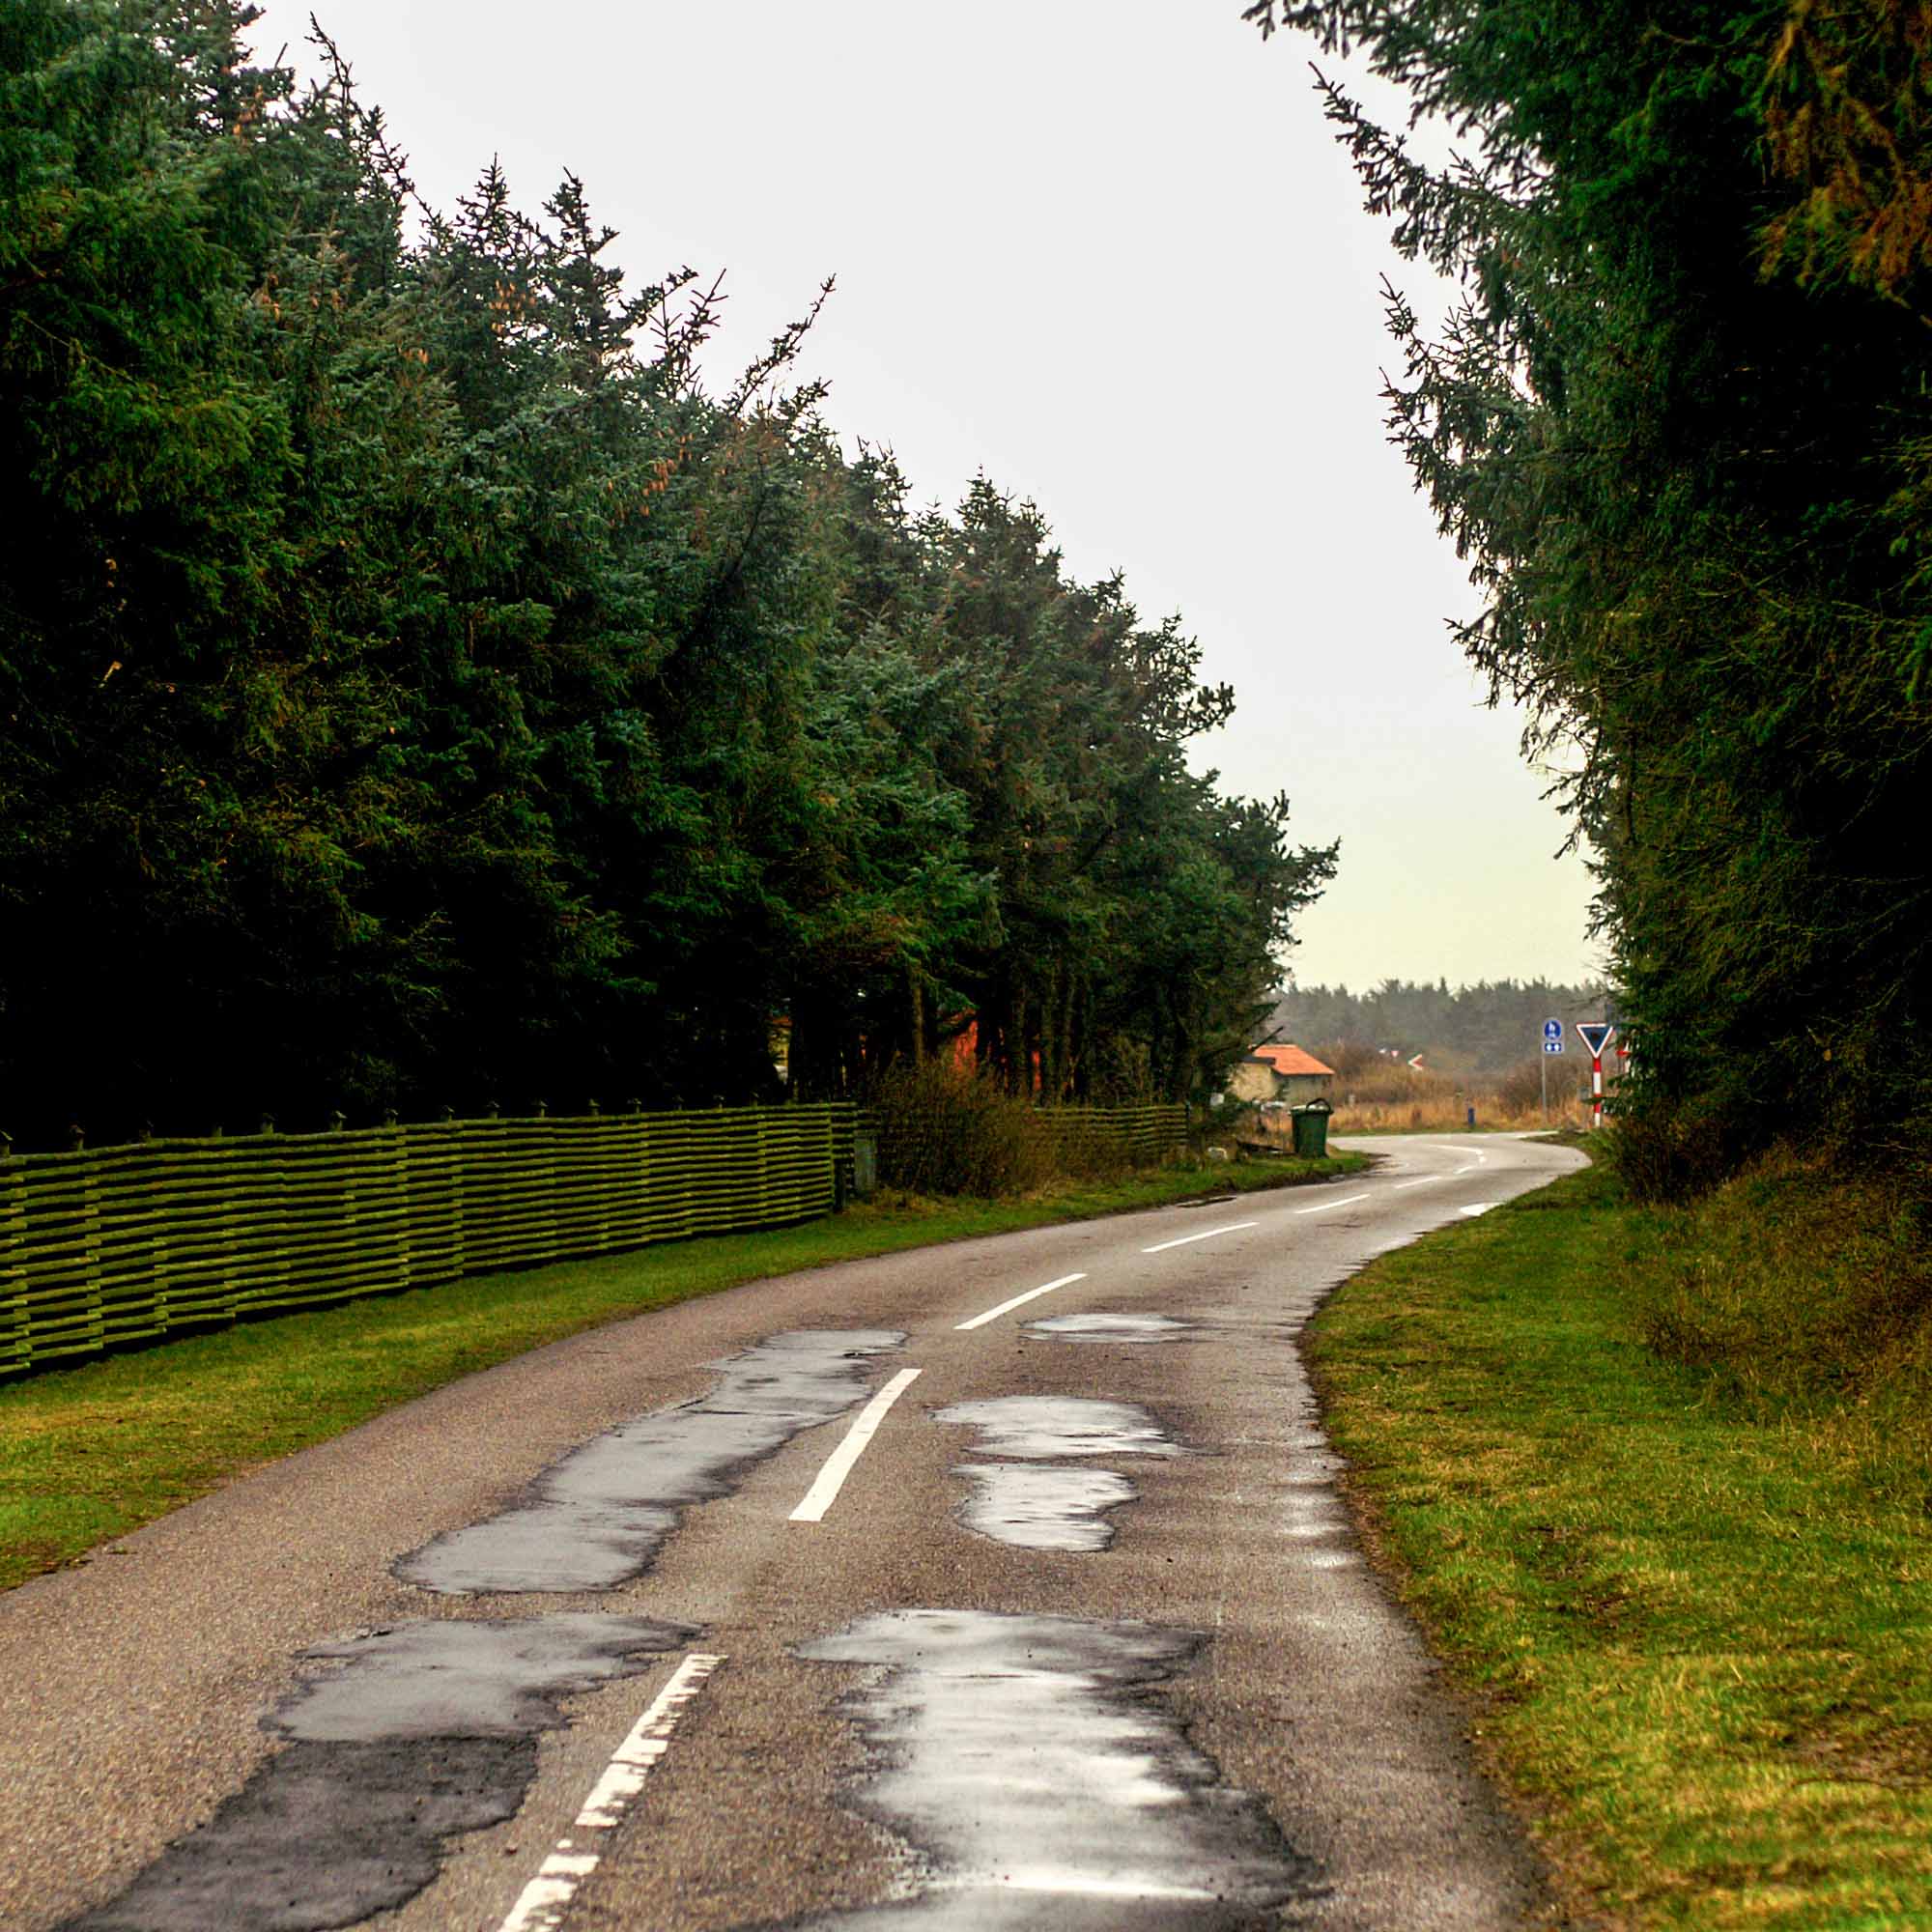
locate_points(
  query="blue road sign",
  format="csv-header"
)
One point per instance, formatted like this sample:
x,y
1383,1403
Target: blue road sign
x,y
1552,1030
1553,1047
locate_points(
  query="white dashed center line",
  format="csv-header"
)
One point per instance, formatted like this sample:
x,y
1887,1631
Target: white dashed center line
x,y
1323,1207
540,1905
1206,1235
1018,1302
838,1464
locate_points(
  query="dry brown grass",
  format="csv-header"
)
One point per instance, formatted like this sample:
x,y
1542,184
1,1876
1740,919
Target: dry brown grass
x,y
1439,1114
1375,1094
1428,1114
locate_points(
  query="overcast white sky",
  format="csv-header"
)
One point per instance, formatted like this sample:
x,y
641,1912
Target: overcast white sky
x,y
1107,251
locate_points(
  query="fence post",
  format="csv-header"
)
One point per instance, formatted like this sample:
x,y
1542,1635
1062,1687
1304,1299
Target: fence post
x,y
90,1248
15,1347
160,1210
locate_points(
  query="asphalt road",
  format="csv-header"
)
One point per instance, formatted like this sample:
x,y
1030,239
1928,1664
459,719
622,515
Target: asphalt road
x,y
855,1597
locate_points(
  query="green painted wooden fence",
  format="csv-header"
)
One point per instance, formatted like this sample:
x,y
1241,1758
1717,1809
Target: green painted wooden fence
x,y
120,1244
1140,1135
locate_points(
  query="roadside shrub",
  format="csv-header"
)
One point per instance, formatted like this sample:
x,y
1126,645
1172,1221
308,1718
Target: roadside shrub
x,y
1376,1080
945,1129
1801,1282
1521,1088
1086,1156
1354,1061
1666,1153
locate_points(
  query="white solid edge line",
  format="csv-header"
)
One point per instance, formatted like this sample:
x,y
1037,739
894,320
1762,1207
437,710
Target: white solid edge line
x,y
540,1905
838,1464
1206,1235
1018,1302
1323,1207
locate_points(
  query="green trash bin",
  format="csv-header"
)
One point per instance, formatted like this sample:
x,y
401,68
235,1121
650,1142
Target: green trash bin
x,y
1311,1130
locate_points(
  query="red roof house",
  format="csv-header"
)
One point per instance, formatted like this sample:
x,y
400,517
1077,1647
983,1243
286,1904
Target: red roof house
x,y
1280,1072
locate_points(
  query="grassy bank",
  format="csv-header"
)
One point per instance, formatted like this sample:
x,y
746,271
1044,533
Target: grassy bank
x,y
91,1452
1658,1484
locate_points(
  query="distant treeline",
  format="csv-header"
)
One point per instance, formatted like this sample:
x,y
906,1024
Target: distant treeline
x,y
1680,425
1491,1026
416,688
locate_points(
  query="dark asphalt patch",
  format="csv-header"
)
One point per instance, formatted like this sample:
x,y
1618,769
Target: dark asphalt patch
x,y
597,1518
1043,1788
462,1679
426,1731
325,1835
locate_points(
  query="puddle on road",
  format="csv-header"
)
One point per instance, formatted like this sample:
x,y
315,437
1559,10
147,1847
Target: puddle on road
x,y
426,1731
1043,1789
1039,1507
1099,1327
596,1518
1033,1505
1035,1428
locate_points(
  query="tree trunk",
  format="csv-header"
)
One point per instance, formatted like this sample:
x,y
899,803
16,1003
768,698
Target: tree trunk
x,y
1052,1035
915,1030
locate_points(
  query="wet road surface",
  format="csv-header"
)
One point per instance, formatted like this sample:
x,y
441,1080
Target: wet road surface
x,y
1074,1635
596,1518
422,1733
1009,1750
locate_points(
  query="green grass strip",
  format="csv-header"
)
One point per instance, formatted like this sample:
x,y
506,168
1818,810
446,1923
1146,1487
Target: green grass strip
x,y
1699,1624
91,1452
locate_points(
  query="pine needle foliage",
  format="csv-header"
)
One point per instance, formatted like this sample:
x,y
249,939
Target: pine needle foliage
x,y
1680,425
418,689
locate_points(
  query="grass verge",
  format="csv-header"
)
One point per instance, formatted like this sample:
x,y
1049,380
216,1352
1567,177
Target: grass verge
x,y
91,1452
1622,1466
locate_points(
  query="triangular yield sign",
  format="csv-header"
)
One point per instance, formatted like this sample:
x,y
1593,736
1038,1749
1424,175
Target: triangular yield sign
x,y
1596,1034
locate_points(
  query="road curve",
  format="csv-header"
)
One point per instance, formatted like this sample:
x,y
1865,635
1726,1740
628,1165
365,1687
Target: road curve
x,y
1002,1585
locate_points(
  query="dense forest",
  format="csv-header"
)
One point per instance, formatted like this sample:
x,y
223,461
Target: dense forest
x,y
1680,425
419,688
1487,1028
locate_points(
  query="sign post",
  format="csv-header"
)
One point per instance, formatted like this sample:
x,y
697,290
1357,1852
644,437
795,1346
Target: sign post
x,y
1596,1034
1552,1042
